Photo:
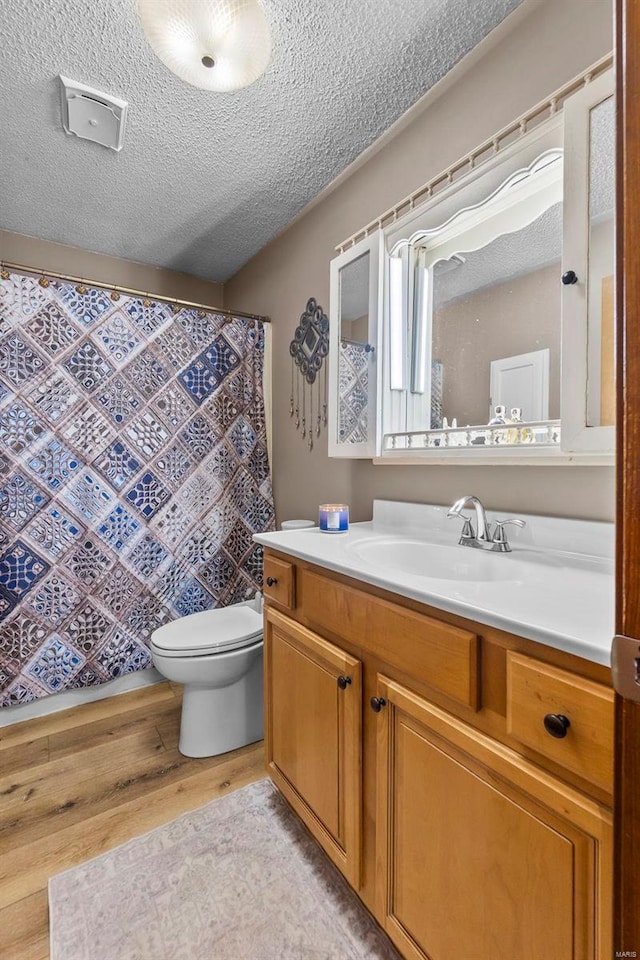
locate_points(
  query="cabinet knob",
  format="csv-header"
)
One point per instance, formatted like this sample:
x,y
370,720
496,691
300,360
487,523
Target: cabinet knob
x,y
343,682
271,581
569,277
377,703
557,725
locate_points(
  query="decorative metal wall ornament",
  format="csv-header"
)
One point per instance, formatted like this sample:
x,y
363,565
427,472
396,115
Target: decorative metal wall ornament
x,y
308,349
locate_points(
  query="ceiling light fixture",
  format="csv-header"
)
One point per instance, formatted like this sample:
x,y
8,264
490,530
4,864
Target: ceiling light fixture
x,y
221,45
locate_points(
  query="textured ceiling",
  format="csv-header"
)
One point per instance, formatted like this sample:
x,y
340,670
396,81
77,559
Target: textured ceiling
x,y
509,256
205,180
354,289
602,167
540,243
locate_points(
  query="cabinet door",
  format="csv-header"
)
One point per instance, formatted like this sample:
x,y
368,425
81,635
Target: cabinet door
x,y
588,367
313,704
481,854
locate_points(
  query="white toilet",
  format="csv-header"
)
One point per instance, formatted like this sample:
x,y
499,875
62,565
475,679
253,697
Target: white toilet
x,y
217,655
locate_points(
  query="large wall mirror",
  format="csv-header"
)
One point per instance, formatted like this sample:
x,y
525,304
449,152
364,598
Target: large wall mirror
x,y
479,310
496,327
476,324
499,309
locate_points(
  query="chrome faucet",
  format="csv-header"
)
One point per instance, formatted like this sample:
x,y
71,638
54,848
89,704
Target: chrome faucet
x,y
469,538
481,536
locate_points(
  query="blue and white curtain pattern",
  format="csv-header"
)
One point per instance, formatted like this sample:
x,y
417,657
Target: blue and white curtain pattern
x,y
133,475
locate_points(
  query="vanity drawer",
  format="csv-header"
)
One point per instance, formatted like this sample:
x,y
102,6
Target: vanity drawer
x,y
279,582
436,653
536,691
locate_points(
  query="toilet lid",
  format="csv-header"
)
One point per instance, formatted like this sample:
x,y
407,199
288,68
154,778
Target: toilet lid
x,y
212,631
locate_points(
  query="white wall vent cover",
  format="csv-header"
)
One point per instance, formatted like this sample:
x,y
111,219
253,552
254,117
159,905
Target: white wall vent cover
x,y
92,115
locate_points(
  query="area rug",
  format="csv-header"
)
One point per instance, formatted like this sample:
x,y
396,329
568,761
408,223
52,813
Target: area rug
x,y
238,879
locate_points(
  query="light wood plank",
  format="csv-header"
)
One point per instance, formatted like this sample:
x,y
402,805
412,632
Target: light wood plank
x,y
111,778
96,760
58,802
29,730
65,848
24,928
89,735
169,729
26,754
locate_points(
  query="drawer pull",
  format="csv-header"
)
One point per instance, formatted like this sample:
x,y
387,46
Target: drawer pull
x,y
343,682
557,725
377,703
271,581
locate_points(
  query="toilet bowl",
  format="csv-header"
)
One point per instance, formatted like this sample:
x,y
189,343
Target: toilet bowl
x,y
217,655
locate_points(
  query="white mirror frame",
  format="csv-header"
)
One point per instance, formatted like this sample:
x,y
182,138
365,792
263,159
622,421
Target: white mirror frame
x,y
374,246
576,435
547,136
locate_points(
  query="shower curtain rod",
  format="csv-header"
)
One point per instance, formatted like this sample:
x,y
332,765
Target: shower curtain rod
x,y
38,271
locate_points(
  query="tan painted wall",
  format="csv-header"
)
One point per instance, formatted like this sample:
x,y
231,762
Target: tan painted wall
x,y
45,255
539,48
505,320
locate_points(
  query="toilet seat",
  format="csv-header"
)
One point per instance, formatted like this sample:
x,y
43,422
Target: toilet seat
x,y
209,632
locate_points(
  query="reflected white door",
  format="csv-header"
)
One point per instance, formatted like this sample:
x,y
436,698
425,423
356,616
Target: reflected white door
x,y
521,381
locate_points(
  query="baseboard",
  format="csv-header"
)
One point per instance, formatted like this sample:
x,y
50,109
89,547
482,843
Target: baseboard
x,y
74,698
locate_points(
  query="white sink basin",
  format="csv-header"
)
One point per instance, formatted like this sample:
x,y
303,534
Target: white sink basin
x,y
555,588
438,562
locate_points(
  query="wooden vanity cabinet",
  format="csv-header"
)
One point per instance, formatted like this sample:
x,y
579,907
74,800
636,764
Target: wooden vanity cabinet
x,y
481,854
464,829
313,717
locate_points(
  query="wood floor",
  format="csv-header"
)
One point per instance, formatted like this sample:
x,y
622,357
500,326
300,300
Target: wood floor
x,y
79,782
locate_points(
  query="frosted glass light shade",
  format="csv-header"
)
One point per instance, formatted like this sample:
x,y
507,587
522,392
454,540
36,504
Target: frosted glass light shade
x,y
219,45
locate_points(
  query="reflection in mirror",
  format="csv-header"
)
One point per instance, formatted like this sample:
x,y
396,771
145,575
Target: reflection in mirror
x,y
496,328
353,353
600,325
474,322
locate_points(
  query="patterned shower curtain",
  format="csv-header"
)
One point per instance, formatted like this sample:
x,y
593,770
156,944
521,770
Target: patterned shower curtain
x,y
133,474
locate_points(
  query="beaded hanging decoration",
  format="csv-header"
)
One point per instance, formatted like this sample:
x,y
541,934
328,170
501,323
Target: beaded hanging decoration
x,y
308,349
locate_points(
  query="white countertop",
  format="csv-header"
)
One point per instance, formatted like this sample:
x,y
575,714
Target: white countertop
x,y
558,588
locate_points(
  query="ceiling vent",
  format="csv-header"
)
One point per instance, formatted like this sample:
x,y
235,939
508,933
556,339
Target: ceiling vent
x,y
92,115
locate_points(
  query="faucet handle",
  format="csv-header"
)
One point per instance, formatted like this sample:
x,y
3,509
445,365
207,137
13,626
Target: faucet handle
x,y
500,542
468,533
